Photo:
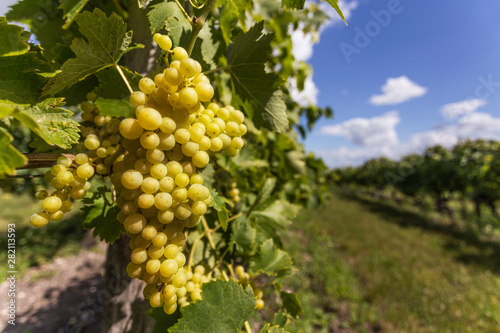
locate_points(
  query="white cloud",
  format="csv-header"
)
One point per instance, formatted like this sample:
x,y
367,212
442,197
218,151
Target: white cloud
x,y
376,131
398,90
306,97
454,110
302,44
477,125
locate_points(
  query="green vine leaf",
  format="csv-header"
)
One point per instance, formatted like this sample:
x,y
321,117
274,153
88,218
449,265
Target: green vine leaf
x,y
219,205
272,329
20,82
243,236
224,307
270,259
163,321
115,107
335,5
54,123
106,42
257,88
13,39
291,304
70,9
7,108
99,212
10,157
111,84
293,4
168,15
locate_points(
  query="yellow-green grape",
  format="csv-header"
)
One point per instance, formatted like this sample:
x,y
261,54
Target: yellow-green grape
x,y
199,208
158,171
205,144
56,216
135,223
167,184
140,242
40,195
205,91
237,143
226,140
146,85
81,158
131,179
189,67
232,128
180,258
149,232
78,193
66,206
216,144
182,180
179,53
174,168
167,141
169,309
65,161
188,168
149,290
197,131
155,252
163,41
163,201
240,270
149,118
149,140
131,129
168,125
134,270
145,200
175,154
160,239
171,251
142,165
85,171
168,268
179,194
153,266
138,98
182,135
179,279
201,159
155,156
39,219
91,143
51,204
139,255
150,185
196,179
56,169
156,299
259,304
213,130
190,148
172,76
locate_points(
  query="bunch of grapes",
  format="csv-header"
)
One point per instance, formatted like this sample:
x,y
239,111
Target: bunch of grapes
x,y
234,192
160,190
243,278
70,178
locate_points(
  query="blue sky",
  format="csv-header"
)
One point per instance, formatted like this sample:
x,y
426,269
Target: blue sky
x,y
402,76
440,66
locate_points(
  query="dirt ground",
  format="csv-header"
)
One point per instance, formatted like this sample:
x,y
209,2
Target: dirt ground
x,y
62,296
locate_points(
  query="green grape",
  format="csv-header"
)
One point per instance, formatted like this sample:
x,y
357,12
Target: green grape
x,y
145,200
232,128
205,143
39,219
168,125
226,140
182,135
199,208
237,116
51,204
150,185
149,140
201,159
182,180
196,179
160,239
78,193
149,118
237,143
170,309
56,216
243,129
179,279
168,267
213,130
139,255
158,171
155,156
167,141
196,133
149,290
146,85
135,223
40,195
171,251
172,76
163,41
134,270
152,266
155,252
85,171
149,232
205,91
66,206
131,179
156,300
259,304
216,144
169,291
131,129
91,143
182,211
137,98
167,184
179,194
56,169
179,53
188,168
163,201
174,168
65,161
166,216
190,148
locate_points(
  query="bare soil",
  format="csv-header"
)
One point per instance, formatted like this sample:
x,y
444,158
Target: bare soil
x,y
62,296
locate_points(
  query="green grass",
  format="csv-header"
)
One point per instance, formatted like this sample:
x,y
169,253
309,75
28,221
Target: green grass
x,y
36,245
372,264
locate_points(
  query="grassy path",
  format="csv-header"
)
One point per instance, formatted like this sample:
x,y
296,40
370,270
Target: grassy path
x,y
366,267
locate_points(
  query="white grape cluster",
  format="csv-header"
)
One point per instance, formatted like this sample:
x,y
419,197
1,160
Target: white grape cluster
x,y
243,278
99,150
70,183
160,192
234,192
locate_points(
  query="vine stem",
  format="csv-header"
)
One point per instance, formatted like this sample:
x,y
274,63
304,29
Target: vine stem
x,y
184,12
247,327
123,77
198,22
218,69
208,231
43,160
193,247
